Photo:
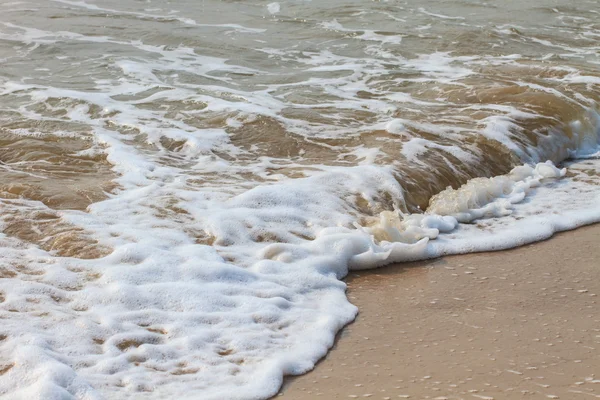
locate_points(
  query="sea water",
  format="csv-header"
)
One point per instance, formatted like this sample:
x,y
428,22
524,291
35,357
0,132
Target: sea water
x,y
184,184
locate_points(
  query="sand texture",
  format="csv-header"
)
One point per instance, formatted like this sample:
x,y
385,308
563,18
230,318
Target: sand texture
x,y
517,324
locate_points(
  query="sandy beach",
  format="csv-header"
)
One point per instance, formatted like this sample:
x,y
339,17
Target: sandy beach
x,y
184,185
517,324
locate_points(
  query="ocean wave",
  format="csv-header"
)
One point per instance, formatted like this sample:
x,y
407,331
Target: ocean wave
x,y
182,190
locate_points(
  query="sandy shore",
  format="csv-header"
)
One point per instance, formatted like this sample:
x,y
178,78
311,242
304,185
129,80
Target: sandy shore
x,y
517,324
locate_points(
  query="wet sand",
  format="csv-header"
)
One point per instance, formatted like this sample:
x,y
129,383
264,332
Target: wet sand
x,y
517,324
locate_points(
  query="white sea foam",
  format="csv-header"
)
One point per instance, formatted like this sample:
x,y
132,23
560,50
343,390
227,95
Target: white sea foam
x,y
203,325
273,8
424,11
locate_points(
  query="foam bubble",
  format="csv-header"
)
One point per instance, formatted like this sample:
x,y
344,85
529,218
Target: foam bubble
x,y
273,8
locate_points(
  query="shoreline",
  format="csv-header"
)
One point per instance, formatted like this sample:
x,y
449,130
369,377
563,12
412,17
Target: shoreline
x,y
517,323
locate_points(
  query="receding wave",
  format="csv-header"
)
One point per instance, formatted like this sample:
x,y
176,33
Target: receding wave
x,y
182,190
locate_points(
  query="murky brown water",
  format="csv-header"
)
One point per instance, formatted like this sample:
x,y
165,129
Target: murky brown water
x,y
304,86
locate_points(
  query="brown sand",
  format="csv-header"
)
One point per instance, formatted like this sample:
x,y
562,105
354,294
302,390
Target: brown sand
x,y
517,324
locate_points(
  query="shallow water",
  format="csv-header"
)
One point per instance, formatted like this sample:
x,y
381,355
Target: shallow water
x,y
183,184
